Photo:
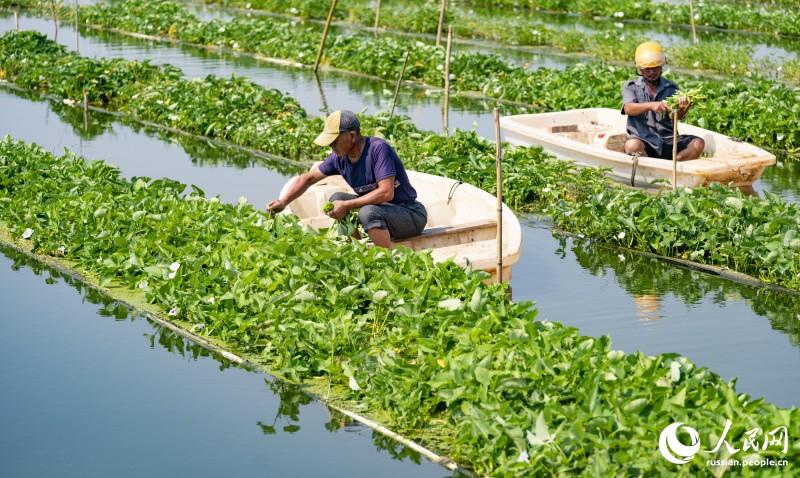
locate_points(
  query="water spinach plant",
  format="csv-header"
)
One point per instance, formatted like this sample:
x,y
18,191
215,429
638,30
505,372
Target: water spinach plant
x,y
246,114
757,110
422,346
600,40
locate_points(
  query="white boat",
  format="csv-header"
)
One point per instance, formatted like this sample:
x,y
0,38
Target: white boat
x,y
596,137
462,220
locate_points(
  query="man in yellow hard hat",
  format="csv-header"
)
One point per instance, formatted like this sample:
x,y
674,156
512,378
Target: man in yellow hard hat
x,y
650,127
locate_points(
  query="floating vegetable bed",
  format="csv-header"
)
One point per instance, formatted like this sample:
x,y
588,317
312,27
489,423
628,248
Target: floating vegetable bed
x,y
423,346
716,226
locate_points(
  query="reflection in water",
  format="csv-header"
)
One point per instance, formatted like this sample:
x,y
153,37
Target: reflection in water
x,y
290,397
648,280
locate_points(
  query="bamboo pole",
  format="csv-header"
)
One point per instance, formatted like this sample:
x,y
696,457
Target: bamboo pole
x,y
675,150
16,20
55,20
499,173
691,21
441,22
447,81
377,17
77,30
85,110
324,35
399,80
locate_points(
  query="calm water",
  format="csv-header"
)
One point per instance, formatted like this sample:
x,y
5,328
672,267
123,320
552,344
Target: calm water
x,y
642,304
90,390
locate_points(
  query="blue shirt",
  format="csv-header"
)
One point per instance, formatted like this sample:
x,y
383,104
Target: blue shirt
x,y
378,161
651,127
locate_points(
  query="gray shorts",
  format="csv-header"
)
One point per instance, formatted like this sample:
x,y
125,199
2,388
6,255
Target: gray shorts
x,y
403,220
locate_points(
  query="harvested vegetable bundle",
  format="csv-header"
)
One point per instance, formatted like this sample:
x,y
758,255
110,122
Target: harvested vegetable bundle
x,y
695,97
346,226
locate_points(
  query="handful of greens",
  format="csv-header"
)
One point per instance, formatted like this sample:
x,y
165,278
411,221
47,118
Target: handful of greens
x,y
346,226
695,97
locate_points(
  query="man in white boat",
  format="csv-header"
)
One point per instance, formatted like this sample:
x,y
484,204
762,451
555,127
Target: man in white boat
x,y
650,127
386,202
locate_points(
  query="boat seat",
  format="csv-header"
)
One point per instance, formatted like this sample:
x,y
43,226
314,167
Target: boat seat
x,y
447,230
616,142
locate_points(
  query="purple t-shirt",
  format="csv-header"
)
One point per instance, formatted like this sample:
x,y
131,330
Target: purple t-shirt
x,y
378,161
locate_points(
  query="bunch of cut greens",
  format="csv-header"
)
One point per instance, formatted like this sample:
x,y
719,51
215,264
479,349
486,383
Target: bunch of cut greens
x,y
694,97
346,226
757,110
533,179
428,349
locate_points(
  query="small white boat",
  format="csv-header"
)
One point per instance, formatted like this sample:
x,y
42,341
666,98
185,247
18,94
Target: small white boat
x,y
596,137
462,220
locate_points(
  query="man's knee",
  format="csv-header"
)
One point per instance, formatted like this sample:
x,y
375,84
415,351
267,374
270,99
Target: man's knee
x,y
634,145
699,144
371,216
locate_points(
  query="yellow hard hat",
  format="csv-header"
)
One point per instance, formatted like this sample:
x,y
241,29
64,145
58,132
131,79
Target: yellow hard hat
x,y
650,54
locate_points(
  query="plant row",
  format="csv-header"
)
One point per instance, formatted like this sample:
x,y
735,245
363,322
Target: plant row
x,y
776,20
611,44
715,226
417,343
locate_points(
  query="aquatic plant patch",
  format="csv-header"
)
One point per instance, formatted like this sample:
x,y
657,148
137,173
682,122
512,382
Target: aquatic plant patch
x,y
423,345
532,180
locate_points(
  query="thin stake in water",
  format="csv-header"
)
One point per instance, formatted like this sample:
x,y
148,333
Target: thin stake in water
x,y
85,111
324,35
377,17
447,81
321,93
16,20
441,22
675,149
55,20
399,80
499,174
77,31
691,21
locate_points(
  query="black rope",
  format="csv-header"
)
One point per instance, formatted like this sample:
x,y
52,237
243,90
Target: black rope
x,y
453,190
635,164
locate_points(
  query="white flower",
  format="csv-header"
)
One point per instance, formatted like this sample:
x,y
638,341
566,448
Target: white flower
x,y
174,266
198,327
621,235
353,384
171,275
242,200
62,250
546,190
523,457
27,233
621,257
172,312
68,101
143,284
173,117
619,14
733,66
211,299
619,25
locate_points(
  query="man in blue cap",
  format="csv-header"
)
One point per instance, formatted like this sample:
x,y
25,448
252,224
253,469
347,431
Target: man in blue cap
x,y
387,203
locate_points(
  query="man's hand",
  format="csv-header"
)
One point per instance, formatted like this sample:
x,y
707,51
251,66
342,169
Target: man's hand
x,y
276,206
659,107
340,208
683,105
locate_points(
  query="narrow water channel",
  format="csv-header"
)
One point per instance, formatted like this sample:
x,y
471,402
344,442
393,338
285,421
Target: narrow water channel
x,y
93,390
643,304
